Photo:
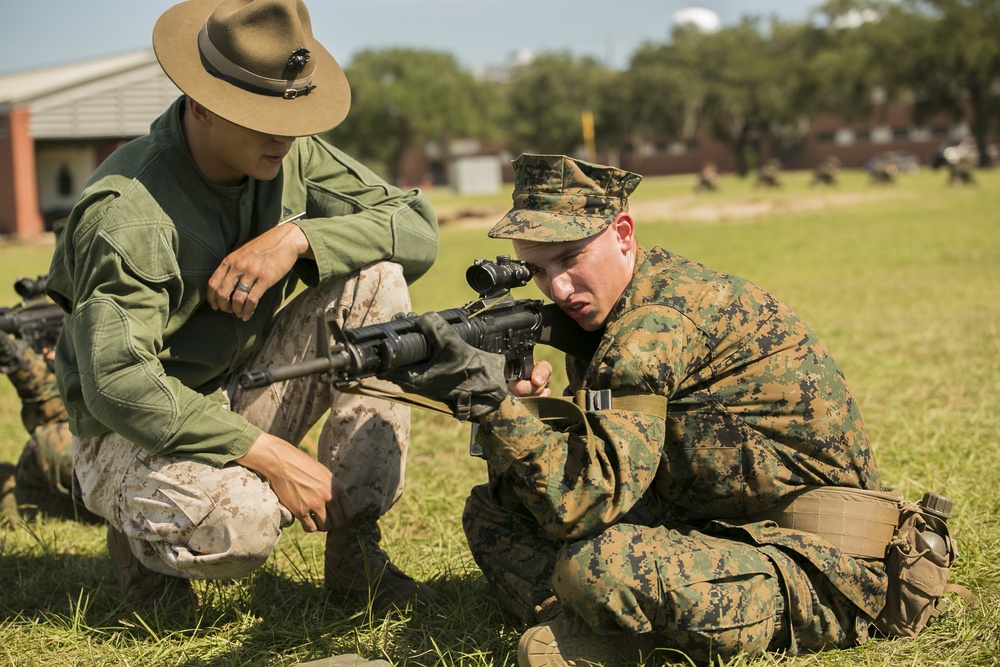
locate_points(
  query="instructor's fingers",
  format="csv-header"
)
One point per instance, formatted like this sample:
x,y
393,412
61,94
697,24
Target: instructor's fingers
x,y
340,510
308,523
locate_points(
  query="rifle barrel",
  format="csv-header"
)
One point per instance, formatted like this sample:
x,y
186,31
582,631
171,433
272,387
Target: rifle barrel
x,y
263,377
8,323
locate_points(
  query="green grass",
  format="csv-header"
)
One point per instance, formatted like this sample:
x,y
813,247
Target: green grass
x,y
901,283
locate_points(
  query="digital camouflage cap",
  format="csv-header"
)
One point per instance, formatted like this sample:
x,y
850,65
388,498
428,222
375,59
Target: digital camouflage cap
x,y
557,198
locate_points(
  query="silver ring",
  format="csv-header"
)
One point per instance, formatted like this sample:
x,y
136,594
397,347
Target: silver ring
x,y
243,287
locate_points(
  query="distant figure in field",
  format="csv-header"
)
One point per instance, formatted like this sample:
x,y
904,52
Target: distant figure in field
x,y
769,175
886,171
708,178
962,171
827,172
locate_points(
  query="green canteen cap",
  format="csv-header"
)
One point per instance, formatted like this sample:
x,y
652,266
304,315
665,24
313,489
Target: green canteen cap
x,y
557,198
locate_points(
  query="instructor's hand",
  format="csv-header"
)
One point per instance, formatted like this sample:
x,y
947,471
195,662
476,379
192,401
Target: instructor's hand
x,y
304,485
246,273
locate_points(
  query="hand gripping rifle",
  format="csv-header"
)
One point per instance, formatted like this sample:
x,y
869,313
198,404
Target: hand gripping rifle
x,y
36,320
494,323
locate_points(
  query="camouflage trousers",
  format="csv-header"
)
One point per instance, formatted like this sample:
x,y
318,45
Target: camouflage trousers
x,y
46,461
186,518
703,594
44,471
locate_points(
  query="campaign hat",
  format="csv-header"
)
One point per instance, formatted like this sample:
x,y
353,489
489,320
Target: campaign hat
x,y
254,63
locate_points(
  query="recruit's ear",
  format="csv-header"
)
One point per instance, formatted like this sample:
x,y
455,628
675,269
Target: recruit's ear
x,y
624,228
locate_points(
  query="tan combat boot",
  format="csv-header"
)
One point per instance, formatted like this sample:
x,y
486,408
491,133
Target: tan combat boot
x,y
568,642
355,565
141,587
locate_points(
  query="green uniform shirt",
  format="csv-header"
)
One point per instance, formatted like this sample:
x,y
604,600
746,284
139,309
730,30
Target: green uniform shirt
x,y
141,352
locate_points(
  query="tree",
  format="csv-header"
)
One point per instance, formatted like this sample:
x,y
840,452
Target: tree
x,y
849,61
741,83
953,57
405,98
942,56
546,99
652,98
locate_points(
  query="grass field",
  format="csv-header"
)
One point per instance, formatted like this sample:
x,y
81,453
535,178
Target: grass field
x,y
902,284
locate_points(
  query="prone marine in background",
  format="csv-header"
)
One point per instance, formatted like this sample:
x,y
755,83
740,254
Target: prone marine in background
x,y
41,481
827,172
769,175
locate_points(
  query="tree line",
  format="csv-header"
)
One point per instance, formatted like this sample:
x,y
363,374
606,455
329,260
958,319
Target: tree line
x,y
753,85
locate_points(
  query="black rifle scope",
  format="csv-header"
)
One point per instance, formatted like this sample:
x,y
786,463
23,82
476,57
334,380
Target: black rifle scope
x,y
30,288
491,279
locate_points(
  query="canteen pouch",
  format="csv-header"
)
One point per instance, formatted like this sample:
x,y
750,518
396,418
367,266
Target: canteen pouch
x,y
919,561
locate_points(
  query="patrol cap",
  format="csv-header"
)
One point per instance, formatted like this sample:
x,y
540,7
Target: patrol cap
x,y
558,198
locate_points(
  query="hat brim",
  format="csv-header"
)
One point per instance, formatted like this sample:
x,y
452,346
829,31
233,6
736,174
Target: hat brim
x,y
175,42
548,227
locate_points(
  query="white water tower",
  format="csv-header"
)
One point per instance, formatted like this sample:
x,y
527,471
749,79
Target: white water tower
x,y
702,18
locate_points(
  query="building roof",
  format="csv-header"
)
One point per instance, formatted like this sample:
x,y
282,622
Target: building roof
x,y
116,97
26,86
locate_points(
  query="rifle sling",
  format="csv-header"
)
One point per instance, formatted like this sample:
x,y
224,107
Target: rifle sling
x,y
547,408
585,400
413,400
856,521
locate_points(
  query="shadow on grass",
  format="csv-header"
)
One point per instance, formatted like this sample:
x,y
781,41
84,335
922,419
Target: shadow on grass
x,y
38,584
301,622
271,618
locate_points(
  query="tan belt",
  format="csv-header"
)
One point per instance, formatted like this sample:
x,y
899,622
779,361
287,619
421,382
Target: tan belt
x,y
858,522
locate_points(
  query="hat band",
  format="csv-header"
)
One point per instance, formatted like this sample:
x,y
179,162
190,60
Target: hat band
x,y
228,71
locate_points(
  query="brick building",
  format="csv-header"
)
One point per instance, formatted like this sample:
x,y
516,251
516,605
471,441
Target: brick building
x,y
57,124
889,127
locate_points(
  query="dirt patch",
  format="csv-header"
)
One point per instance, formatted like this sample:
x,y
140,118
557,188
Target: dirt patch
x,y
687,208
478,216
700,209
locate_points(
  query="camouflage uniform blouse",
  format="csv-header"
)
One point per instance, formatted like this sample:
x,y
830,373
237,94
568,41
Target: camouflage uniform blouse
x,y
757,408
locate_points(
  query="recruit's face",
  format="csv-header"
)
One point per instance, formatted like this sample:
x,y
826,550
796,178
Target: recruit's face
x,y
586,277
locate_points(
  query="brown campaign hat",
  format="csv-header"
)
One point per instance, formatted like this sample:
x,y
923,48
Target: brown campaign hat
x,y
254,63
559,198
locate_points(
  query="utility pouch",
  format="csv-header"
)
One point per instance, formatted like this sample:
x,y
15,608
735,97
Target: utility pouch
x,y
919,561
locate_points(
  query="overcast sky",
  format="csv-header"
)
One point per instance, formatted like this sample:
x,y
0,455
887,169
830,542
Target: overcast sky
x,y
38,33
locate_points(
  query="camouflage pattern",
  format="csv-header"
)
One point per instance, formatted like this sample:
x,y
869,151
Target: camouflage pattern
x,y
558,198
650,524
46,462
827,172
185,517
769,175
35,384
886,171
45,467
962,171
708,178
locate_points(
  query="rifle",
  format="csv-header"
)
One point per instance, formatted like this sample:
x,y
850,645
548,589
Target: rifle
x,y
495,322
35,320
